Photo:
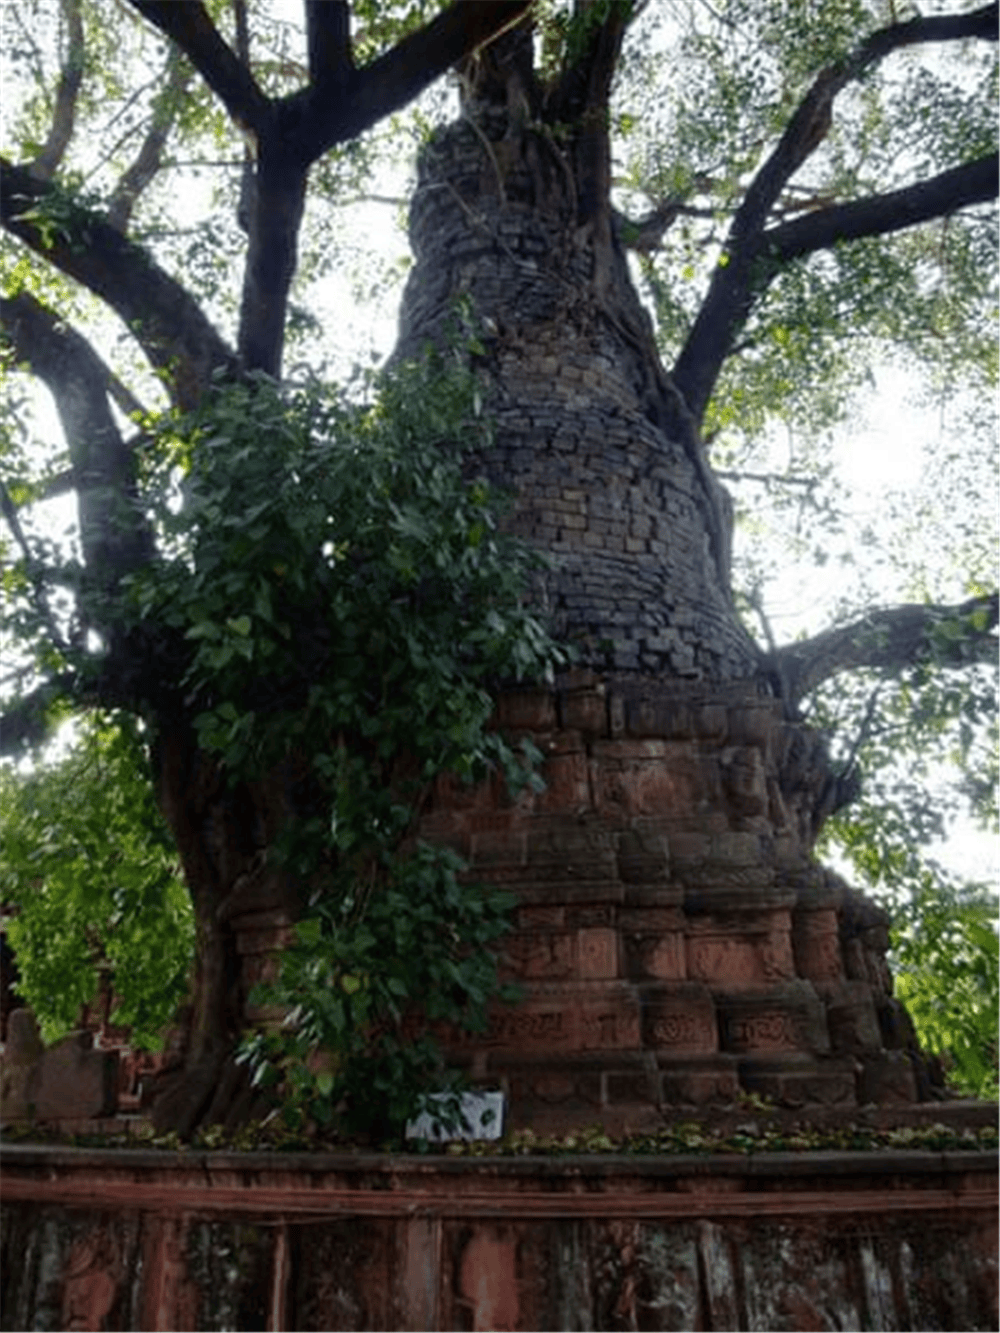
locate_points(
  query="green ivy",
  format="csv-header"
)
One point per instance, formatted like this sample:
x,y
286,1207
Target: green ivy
x,y
343,601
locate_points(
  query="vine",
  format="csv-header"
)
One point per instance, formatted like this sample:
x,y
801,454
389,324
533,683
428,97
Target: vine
x,y
347,602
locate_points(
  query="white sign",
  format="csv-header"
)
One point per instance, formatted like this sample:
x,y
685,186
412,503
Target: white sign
x,y
481,1112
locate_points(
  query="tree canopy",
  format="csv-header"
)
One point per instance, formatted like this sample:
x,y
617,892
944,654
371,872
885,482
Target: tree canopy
x,y
804,192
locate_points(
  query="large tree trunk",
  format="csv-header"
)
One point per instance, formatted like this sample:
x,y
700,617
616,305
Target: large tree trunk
x,y
243,908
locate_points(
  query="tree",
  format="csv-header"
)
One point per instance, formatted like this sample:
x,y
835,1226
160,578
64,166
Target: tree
x,y
90,870
805,209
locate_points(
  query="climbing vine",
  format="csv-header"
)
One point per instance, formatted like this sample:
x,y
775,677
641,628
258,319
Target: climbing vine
x,y
346,599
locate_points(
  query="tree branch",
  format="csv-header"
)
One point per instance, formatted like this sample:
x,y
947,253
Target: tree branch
x,y
975,182
113,532
24,721
292,132
147,161
187,23
731,292
889,640
327,112
64,114
165,319
328,32
32,568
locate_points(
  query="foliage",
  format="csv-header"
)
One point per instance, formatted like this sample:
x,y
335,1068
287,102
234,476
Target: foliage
x,y
420,935
758,1130
944,930
348,601
90,871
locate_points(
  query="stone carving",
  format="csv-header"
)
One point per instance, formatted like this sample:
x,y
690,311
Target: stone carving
x,y
762,1032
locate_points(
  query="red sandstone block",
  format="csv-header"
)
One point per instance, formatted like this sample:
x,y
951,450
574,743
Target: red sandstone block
x,y
561,1020
799,1080
451,793
526,710
753,725
787,1018
737,849
699,1082
69,1079
616,752
541,955
887,1078
656,919
711,722
567,783
541,916
585,711
646,785
564,848
689,849
660,718
656,957
597,953
745,780
679,1020
851,1017
740,951
498,847
816,945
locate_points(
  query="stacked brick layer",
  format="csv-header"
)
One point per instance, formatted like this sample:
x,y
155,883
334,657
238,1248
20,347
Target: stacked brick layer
x,y
627,515
675,943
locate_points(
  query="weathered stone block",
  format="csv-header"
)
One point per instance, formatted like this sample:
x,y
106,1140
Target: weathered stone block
x,y
567,782
679,1020
526,710
886,1078
816,945
565,1019
636,778
498,847
548,955
745,780
570,849
585,711
655,957
694,1082
737,849
740,959
67,1080
642,859
753,725
851,1018
802,1080
786,1018
597,953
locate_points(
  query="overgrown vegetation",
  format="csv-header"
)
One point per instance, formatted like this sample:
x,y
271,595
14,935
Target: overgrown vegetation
x,y
349,602
91,887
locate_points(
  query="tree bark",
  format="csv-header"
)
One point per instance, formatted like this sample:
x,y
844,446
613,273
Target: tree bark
x,y
223,832
164,318
889,639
